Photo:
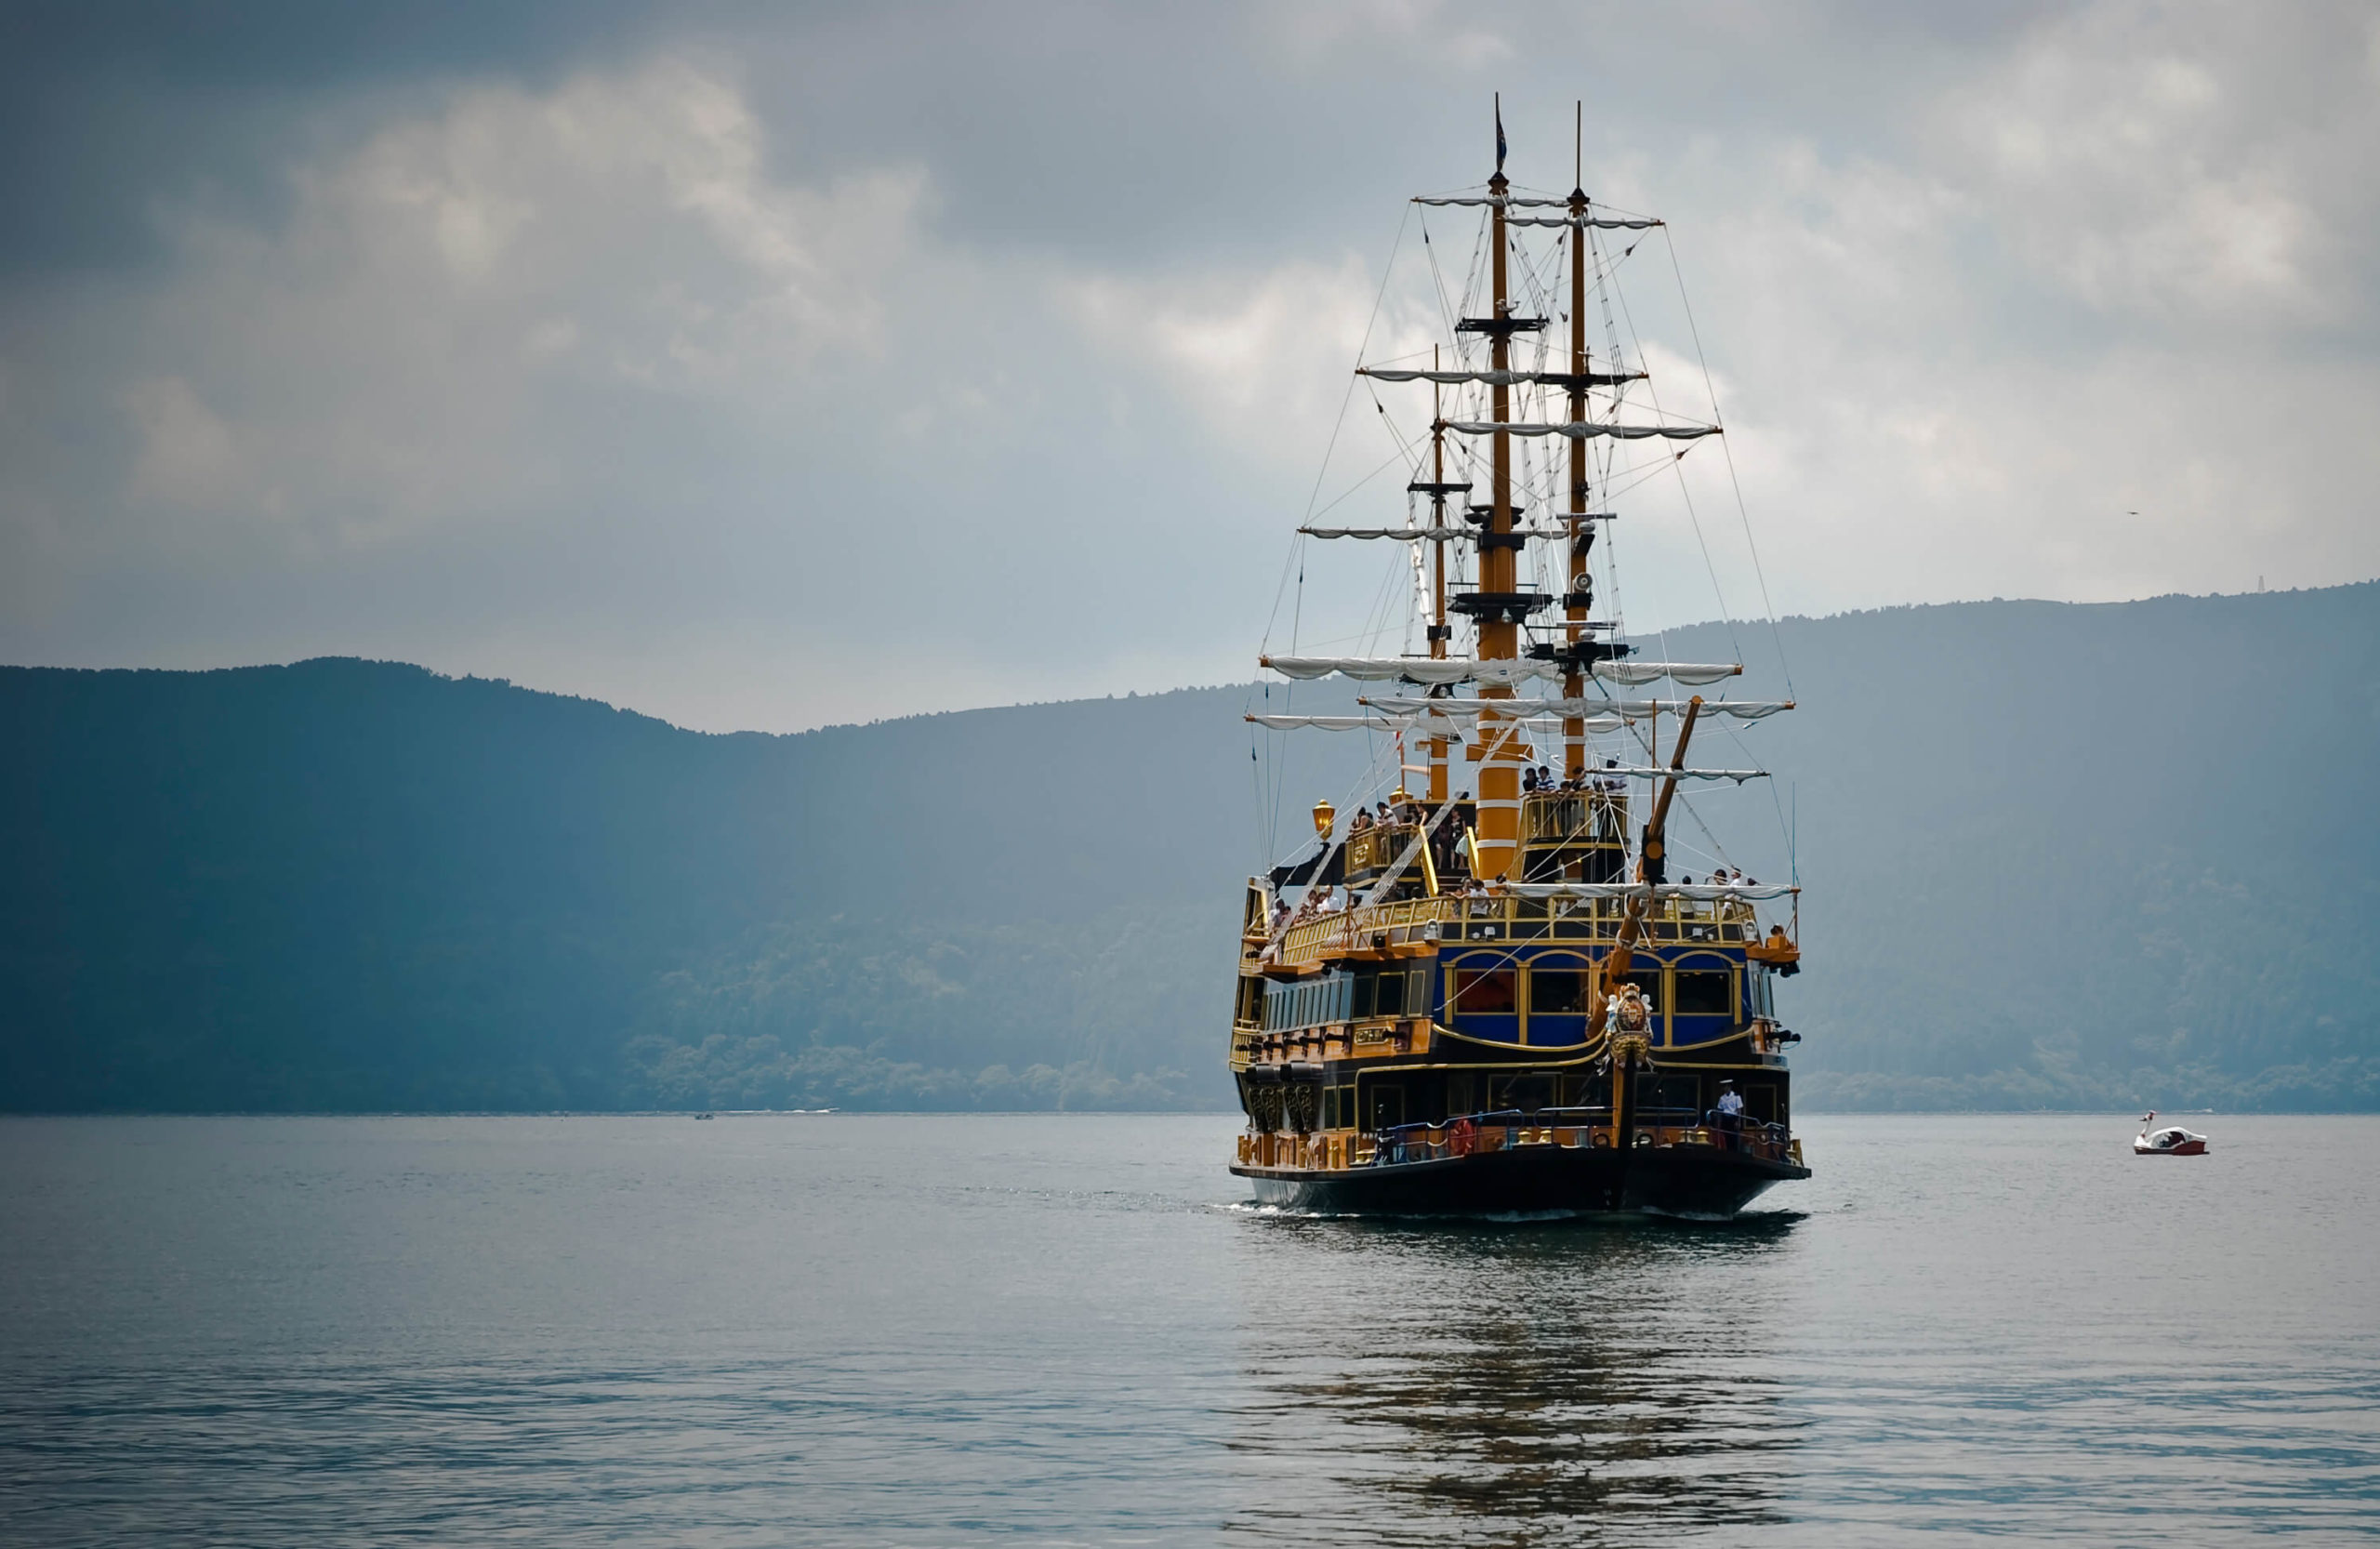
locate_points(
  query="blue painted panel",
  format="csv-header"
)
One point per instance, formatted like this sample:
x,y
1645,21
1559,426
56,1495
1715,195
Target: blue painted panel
x,y
1698,1029
1556,1032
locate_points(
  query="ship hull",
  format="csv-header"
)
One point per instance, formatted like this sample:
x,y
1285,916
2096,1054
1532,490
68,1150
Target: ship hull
x,y
1703,1184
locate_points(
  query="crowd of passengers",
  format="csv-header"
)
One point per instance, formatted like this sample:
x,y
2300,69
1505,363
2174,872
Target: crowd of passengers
x,y
1323,899
1408,811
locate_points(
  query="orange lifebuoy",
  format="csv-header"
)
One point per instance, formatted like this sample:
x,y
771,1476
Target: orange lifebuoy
x,y
1460,1135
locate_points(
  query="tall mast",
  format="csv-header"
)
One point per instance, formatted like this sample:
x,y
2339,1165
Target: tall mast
x,y
1574,611
1438,631
1498,636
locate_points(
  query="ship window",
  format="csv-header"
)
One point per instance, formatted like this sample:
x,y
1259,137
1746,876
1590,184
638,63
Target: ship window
x,y
1416,992
1559,989
1704,992
1388,1106
1363,1002
1673,1096
1758,1000
1329,1108
1482,991
1527,1094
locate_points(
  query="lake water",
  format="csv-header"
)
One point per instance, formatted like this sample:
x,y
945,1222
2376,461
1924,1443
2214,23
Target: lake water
x,y
925,1331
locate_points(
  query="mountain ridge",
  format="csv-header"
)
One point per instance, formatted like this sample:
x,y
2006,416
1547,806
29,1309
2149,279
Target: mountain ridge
x,y
2056,854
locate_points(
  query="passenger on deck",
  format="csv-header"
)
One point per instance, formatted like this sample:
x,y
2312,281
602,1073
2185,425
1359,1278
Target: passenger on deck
x,y
1544,778
1528,780
1383,818
1363,820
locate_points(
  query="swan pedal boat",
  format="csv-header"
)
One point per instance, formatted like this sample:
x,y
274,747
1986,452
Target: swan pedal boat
x,y
2170,1141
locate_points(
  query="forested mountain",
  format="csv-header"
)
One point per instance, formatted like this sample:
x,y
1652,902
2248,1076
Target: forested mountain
x,y
2055,856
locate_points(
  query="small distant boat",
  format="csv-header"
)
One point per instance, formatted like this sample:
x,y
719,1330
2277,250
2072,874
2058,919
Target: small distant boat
x,y
2170,1141
702,1116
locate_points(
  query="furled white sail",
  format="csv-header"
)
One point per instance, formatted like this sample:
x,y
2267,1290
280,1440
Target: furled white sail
x,y
1416,669
1694,674
1601,222
1466,670
1432,535
1522,204
1492,378
1597,720
1333,722
1614,710
1585,429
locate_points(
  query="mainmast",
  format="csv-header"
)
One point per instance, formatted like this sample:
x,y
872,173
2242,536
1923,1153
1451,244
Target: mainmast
x,y
1574,598
1438,631
1499,634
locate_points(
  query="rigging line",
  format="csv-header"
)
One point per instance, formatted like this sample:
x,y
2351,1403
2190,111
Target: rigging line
x,y
1737,730
1340,500
1694,518
1437,279
1387,272
1776,637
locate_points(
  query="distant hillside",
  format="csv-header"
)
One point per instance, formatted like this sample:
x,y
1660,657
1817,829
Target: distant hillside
x,y
2055,856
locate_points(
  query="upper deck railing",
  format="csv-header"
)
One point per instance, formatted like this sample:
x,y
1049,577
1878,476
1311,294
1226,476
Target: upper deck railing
x,y
1508,917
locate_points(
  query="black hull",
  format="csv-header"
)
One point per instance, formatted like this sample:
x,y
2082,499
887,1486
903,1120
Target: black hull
x,y
1704,1183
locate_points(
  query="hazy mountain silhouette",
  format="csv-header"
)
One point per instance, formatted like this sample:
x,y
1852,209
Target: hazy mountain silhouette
x,y
2056,856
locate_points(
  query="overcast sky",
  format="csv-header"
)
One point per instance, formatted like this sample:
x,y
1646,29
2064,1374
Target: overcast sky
x,y
766,367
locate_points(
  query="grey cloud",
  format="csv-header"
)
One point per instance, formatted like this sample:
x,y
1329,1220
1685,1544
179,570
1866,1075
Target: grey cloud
x,y
761,367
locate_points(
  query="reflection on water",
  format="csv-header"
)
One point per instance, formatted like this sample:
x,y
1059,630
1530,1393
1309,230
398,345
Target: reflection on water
x,y
848,1332
1442,1382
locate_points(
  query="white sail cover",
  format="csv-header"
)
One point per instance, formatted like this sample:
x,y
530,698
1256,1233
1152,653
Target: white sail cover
x,y
1585,429
1492,378
1523,204
1434,535
1509,710
1614,710
1414,669
1693,674
1333,722
1466,670
1601,222
1666,890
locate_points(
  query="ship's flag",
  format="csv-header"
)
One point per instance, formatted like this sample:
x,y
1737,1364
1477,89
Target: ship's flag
x,y
1499,134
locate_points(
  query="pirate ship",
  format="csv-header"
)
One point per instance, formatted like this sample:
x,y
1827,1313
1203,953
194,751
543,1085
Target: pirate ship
x,y
1505,1001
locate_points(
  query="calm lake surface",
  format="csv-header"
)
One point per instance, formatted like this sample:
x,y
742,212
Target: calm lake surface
x,y
927,1331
